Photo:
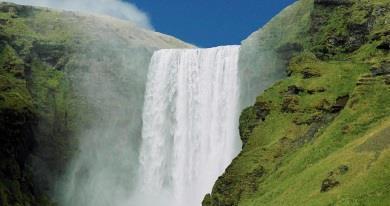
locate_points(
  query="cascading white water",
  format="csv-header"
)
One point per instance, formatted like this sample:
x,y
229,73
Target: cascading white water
x,y
190,123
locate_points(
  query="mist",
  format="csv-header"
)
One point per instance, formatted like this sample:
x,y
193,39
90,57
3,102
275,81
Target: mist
x,y
114,8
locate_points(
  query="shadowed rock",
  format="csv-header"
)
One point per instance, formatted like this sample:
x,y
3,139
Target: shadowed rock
x,y
340,104
333,2
329,184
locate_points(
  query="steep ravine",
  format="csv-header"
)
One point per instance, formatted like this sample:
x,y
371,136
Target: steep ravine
x,y
321,135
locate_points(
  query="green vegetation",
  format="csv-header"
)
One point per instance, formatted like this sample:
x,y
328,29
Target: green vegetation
x,y
320,136
34,90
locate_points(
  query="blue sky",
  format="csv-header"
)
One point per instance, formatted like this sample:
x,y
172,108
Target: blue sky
x,y
208,23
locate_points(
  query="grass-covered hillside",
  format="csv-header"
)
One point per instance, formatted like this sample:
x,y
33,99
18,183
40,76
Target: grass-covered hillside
x,y
54,67
321,136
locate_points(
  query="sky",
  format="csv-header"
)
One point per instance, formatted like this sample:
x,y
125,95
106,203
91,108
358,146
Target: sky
x,y
208,23
204,23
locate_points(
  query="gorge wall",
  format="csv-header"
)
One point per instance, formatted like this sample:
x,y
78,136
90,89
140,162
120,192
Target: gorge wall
x,y
320,136
68,83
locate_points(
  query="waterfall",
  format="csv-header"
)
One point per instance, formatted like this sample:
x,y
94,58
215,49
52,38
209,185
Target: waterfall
x,y
190,123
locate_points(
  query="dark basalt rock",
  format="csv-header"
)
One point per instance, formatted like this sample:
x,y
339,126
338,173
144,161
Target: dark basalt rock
x,y
3,22
380,71
316,90
333,2
358,35
340,104
357,29
262,110
294,90
385,45
336,41
17,142
328,184
343,169
316,123
378,36
251,117
49,52
308,73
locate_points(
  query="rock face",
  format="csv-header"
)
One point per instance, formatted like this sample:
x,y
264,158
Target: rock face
x,y
265,54
54,70
17,142
320,117
333,2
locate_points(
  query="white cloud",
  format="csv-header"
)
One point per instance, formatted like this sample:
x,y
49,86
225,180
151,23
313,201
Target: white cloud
x,y
115,8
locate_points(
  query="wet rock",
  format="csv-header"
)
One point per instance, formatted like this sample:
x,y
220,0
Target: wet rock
x,y
329,184
51,53
340,104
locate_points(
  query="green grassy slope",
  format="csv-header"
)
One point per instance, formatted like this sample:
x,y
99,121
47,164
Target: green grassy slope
x,y
321,136
48,62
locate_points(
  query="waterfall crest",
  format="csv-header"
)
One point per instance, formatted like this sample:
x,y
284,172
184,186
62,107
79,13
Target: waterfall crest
x,y
190,123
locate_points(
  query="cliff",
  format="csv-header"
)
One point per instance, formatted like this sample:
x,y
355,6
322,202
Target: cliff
x,y
318,136
52,65
321,135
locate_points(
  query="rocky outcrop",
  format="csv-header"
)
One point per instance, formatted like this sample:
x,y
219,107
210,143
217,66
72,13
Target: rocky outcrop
x,y
251,117
333,2
384,45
